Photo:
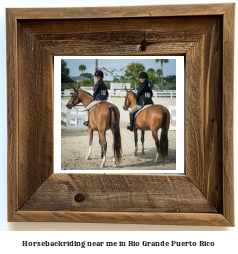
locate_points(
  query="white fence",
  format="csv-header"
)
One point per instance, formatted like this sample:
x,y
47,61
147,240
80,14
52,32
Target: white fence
x,y
166,94
72,117
172,117
69,92
122,93
120,85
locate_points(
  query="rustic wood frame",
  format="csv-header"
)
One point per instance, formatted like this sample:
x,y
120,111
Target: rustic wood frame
x,y
204,34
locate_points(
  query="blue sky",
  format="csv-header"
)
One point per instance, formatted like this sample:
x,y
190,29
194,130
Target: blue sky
x,y
73,64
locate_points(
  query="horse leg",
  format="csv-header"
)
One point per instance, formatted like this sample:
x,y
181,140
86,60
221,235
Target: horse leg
x,y
167,155
90,132
114,164
102,140
155,137
136,141
142,141
100,143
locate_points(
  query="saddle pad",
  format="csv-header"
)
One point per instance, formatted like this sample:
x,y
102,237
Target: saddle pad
x,y
99,103
145,107
91,109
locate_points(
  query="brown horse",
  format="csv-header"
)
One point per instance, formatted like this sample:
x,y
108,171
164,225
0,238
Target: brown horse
x,y
103,117
152,118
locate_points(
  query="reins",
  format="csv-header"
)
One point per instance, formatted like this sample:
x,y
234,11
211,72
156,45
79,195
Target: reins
x,y
76,95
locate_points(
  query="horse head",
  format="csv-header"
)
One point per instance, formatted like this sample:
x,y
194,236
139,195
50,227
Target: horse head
x,y
74,100
127,102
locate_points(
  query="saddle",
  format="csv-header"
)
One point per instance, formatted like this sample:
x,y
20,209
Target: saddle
x,y
145,107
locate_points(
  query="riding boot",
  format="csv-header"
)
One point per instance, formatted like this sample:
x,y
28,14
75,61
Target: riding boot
x,y
131,124
85,122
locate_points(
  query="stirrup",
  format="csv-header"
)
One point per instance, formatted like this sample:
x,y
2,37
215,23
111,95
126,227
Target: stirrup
x,y
85,123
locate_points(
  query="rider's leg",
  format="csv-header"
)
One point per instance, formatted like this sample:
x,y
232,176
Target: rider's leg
x,y
131,115
91,105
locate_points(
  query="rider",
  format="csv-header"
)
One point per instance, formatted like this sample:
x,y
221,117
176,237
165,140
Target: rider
x,y
100,94
143,97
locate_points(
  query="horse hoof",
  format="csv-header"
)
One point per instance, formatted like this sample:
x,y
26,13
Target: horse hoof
x,y
156,161
143,153
135,154
102,165
114,165
86,158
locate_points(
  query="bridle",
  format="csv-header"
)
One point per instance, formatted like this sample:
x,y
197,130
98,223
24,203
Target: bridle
x,y
75,96
125,107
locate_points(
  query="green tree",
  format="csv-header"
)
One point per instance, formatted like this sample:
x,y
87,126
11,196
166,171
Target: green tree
x,y
162,61
64,68
170,78
87,75
152,78
151,70
170,82
82,68
116,74
133,71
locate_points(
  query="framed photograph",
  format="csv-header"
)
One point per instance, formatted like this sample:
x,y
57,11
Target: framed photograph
x,y
78,156
202,34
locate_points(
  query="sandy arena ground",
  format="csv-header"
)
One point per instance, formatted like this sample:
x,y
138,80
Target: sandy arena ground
x,y
75,146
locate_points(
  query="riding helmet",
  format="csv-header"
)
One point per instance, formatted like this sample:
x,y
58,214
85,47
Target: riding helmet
x,y
143,75
98,73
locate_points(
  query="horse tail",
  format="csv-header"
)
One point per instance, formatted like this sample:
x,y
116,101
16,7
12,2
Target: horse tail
x,y
163,137
116,132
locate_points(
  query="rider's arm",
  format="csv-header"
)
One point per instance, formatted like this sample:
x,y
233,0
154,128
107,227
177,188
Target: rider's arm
x,y
140,91
95,91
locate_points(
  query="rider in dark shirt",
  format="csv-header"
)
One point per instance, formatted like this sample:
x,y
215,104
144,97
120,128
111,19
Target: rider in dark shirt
x,y
143,97
100,94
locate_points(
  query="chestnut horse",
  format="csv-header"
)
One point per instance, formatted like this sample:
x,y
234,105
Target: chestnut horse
x,y
103,117
152,118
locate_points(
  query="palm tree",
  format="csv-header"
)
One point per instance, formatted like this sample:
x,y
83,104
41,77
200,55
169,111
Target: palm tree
x,y
159,74
162,61
82,68
151,70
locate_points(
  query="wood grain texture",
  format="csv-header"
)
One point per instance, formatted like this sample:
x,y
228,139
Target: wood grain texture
x,y
119,36
119,193
12,111
36,114
75,49
227,113
190,219
204,115
173,25
121,11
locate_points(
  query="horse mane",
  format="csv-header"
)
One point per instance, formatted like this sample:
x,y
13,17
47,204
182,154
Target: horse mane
x,y
86,92
134,94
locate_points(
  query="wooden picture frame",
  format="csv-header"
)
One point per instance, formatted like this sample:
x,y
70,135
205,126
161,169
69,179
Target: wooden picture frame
x,y
204,34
